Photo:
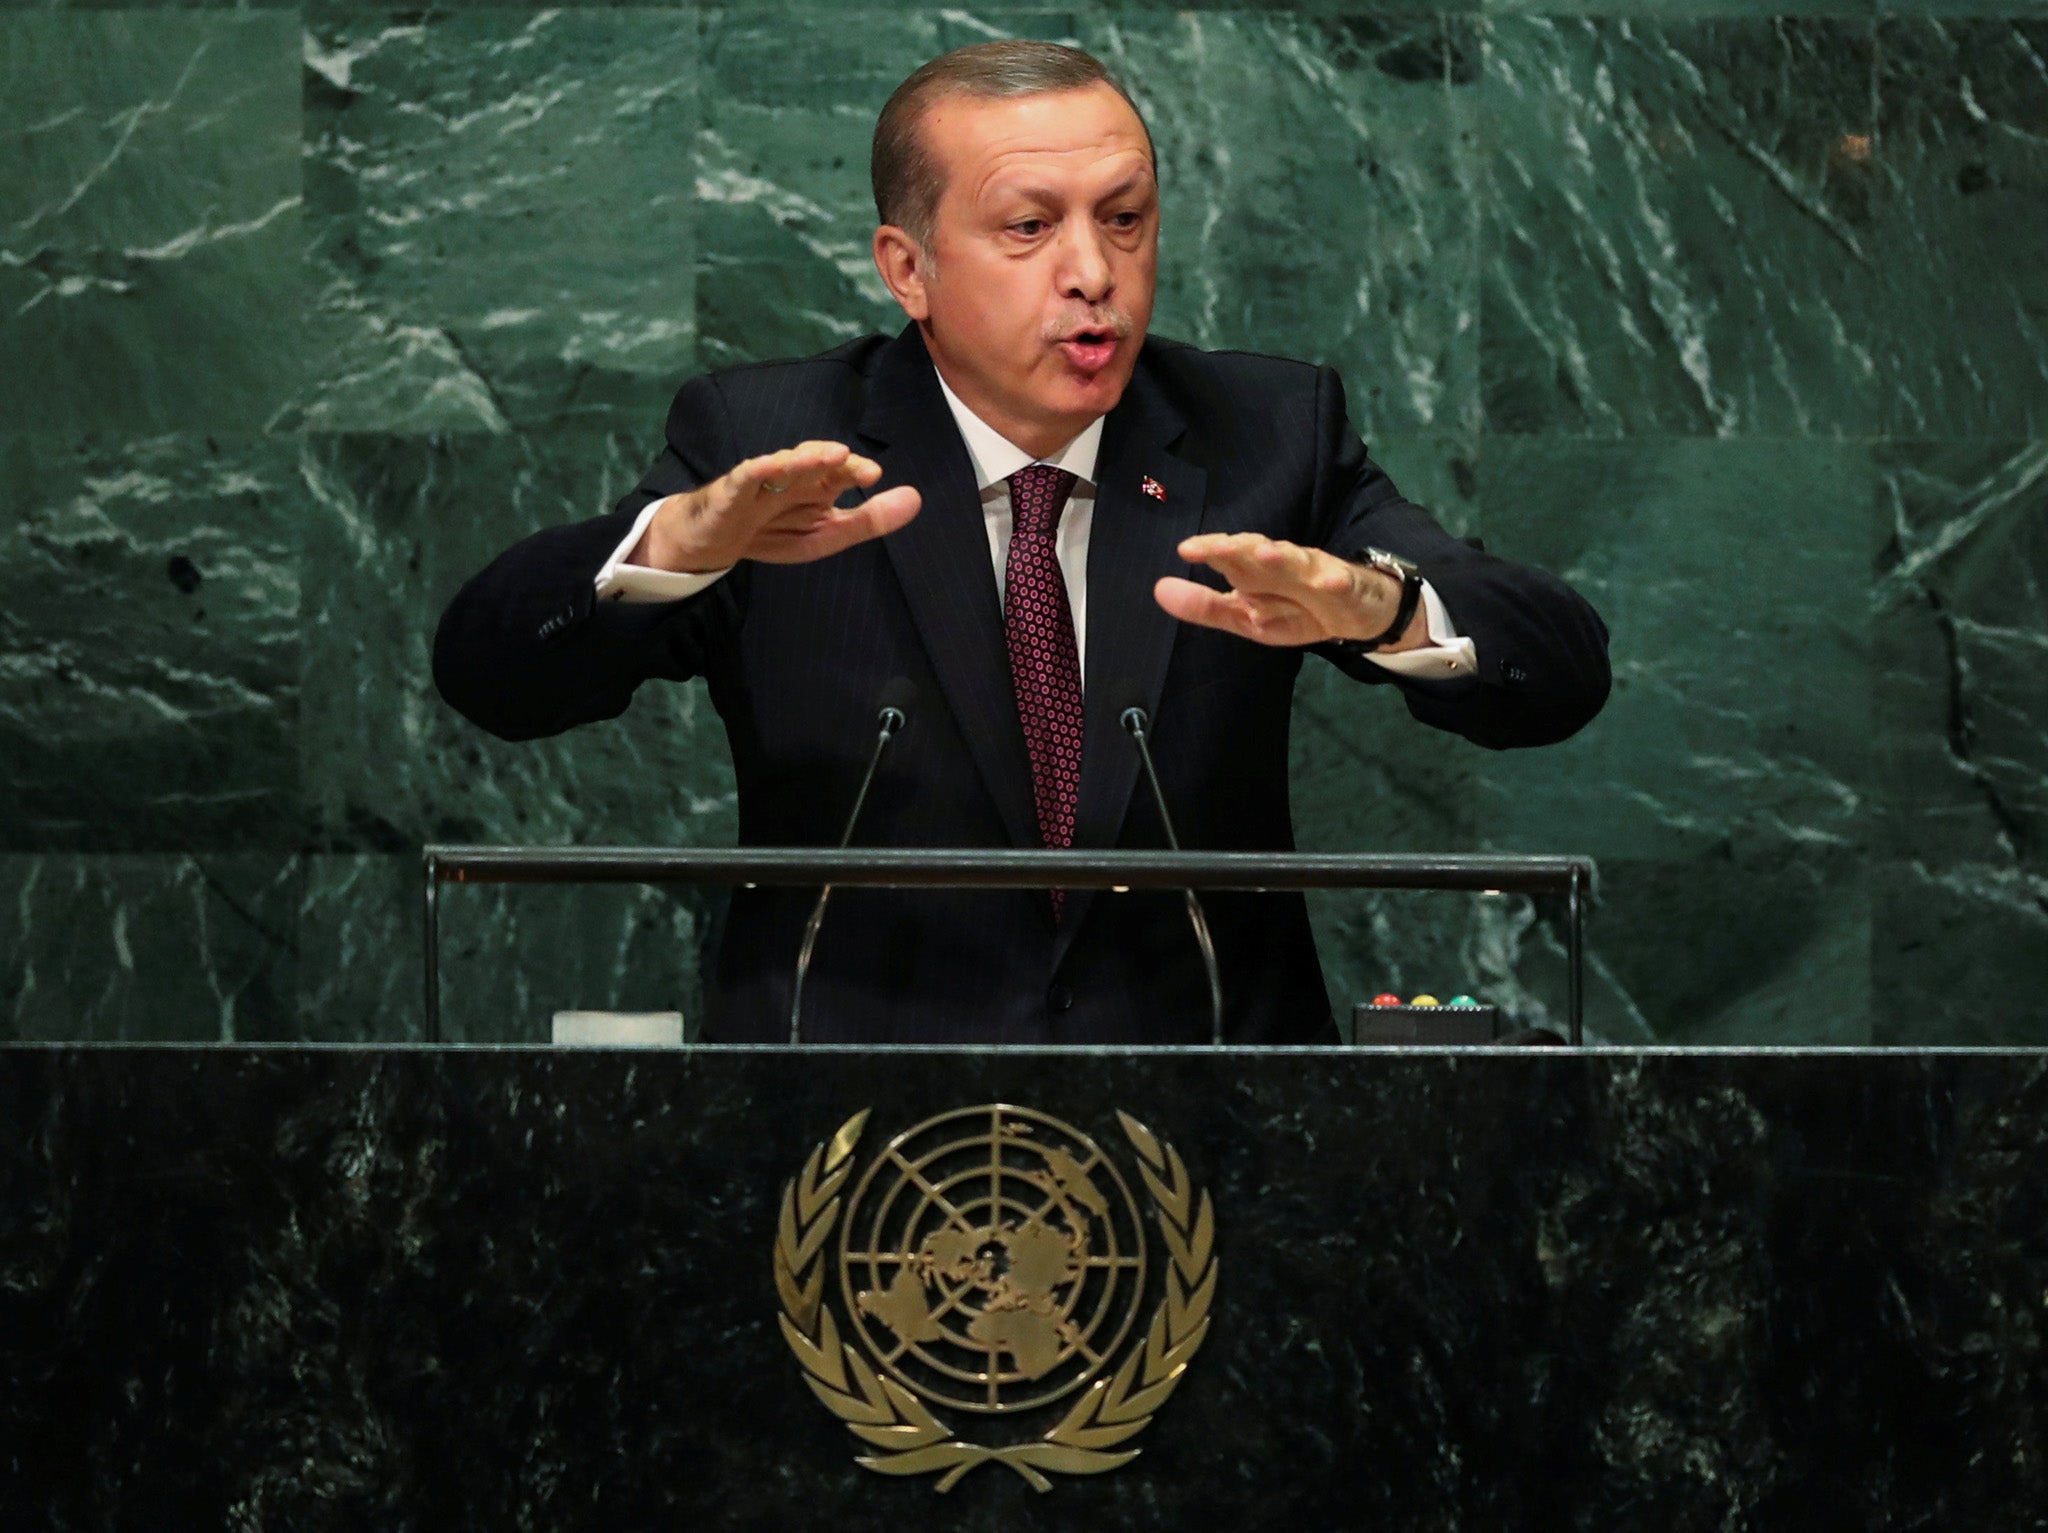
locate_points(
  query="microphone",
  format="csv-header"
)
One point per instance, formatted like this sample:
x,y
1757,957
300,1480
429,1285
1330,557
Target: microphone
x,y
899,694
1135,724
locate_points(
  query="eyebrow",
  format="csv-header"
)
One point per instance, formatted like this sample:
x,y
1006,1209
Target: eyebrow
x,y
1037,193
1130,183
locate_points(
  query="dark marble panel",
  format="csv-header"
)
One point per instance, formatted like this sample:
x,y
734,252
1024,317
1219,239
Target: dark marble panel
x,y
785,208
502,203
1769,947
1683,10
1961,633
1773,949
1962,345
149,221
149,5
1317,180
1366,776
440,8
1958,953
399,524
1440,473
360,932
1755,226
1505,950
326,1290
1337,8
1732,576
153,948
149,623
510,957
1968,9
1680,228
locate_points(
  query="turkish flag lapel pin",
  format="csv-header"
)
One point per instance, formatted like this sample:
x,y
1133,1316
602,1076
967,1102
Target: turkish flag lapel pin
x,y
1153,488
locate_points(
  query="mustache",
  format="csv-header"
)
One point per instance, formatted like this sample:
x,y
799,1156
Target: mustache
x,y
1108,320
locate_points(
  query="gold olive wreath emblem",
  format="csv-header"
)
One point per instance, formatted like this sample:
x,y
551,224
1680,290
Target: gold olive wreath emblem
x,y
1016,1241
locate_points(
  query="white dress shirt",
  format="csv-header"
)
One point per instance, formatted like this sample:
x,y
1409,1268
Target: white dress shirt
x,y
995,459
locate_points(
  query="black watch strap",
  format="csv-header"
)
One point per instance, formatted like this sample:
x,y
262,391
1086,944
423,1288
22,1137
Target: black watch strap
x,y
1411,596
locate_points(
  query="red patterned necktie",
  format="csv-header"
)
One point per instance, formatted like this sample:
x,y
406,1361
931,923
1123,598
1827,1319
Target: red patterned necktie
x,y
1045,664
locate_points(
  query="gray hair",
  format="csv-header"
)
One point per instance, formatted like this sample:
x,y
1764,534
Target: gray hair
x,y
907,176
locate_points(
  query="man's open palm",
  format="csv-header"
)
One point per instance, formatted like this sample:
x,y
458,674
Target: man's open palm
x,y
1280,593
778,509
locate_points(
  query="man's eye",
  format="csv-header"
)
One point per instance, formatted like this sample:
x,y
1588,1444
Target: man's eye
x,y
1028,227
1127,220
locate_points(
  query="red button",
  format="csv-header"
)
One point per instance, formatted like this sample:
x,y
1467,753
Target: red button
x,y
1386,998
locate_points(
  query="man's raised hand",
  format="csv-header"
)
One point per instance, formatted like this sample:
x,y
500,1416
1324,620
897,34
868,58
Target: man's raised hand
x,y
1283,593
777,509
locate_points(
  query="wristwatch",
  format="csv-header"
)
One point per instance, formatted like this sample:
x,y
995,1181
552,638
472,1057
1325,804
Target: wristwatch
x,y
1411,593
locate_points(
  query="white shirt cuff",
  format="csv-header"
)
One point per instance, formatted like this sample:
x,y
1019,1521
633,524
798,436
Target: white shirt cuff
x,y
620,581
1448,653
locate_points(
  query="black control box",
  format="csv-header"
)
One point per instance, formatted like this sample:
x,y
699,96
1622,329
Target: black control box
x,y
1427,1025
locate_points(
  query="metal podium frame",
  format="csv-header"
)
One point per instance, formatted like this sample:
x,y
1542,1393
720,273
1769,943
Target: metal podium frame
x,y
1007,868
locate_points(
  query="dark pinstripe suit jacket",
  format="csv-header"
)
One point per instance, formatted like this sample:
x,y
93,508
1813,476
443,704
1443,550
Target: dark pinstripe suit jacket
x,y
796,657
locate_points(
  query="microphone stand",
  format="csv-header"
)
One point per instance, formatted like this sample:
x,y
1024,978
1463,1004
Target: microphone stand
x,y
887,722
1135,724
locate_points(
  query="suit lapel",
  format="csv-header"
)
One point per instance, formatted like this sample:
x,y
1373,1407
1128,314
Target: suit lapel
x,y
1130,638
942,562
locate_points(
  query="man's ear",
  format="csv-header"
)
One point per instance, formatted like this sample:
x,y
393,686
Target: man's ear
x,y
904,269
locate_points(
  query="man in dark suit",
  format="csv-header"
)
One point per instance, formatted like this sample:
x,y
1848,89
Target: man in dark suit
x,y
1041,517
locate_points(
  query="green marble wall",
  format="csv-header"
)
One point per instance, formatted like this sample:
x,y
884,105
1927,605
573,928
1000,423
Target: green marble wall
x,y
1732,313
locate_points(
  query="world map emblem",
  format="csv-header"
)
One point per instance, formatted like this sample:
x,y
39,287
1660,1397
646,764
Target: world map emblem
x,y
994,1263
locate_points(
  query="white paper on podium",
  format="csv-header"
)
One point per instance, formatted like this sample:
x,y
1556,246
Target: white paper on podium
x,y
619,1029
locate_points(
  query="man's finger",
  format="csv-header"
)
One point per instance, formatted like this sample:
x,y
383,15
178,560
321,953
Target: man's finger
x,y
1251,562
777,473
807,481
828,484
1195,603
1262,618
820,531
877,517
1204,546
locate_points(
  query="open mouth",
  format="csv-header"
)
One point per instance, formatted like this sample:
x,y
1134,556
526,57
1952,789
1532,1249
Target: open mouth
x,y
1090,350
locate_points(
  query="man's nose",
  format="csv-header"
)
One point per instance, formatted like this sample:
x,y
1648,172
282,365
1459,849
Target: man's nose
x,y
1084,264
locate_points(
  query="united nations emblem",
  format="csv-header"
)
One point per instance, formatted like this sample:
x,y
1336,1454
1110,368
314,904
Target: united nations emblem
x,y
992,1261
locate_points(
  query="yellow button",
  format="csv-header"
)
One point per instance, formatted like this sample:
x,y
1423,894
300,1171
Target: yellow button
x,y
1425,1000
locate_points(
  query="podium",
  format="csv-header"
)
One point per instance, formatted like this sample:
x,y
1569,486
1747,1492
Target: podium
x,y
1568,878
340,1287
